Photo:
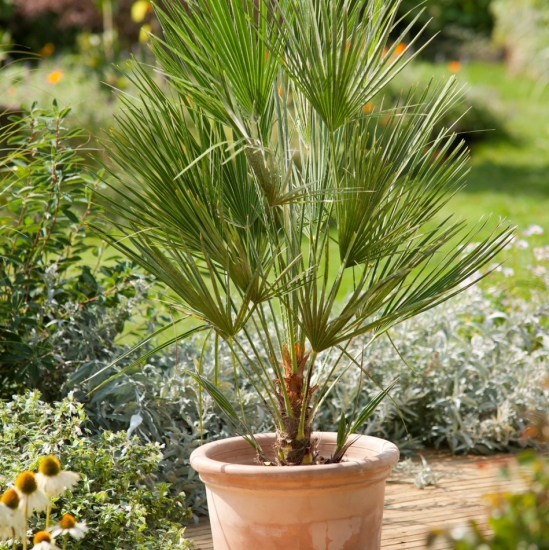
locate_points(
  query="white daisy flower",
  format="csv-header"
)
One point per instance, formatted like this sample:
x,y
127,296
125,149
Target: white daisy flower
x,y
68,526
458,532
12,521
510,243
52,480
44,541
521,244
5,515
542,253
538,270
508,271
533,229
5,523
470,247
30,496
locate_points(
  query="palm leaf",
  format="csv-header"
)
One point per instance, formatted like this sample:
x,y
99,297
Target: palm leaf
x,y
253,185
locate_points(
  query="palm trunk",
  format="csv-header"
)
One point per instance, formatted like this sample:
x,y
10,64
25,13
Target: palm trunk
x,y
295,448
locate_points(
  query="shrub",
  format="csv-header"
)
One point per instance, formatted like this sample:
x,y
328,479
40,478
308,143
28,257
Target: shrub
x,y
455,25
59,307
473,14
480,365
521,29
518,521
119,496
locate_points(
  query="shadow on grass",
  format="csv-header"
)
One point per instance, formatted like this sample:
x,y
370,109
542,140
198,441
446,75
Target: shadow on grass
x,y
510,179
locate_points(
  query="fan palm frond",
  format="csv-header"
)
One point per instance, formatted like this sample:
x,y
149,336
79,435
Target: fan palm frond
x,y
254,186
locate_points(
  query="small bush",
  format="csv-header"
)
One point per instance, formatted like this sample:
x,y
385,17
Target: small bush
x,y
119,496
62,303
521,30
518,521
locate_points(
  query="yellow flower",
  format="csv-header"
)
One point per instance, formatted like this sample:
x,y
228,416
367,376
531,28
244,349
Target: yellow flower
x,y
30,496
52,480
68,526
144,32
44,541
10,499
54,77
140,9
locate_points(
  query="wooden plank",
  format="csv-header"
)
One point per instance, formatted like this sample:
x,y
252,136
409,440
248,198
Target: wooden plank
x,y
410,513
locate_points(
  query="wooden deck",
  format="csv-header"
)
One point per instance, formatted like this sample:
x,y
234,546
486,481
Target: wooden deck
x,y
410,513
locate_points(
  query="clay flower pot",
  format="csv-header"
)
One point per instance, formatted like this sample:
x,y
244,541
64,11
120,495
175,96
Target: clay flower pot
x,y
328,507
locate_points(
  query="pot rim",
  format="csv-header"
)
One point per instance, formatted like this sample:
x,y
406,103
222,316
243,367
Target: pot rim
x,y
383,456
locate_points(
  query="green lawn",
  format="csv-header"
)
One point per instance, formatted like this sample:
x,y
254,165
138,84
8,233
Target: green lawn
x,y
510,177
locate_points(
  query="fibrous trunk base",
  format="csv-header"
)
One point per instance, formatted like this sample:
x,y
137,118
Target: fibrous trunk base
x,y
292,450
294,444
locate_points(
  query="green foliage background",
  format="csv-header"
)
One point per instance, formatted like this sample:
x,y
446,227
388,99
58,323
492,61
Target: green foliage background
x,y
472,14
52,301
119,496
518,521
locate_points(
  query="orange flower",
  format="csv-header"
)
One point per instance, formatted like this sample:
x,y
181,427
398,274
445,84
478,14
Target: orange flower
x,y
399,50
454,66
531,432
47,49
368,108
280,91
54,77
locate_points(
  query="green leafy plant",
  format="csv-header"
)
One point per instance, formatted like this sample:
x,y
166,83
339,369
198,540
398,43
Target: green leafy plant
x,y
521,29
454,22
257,189
518,521
118,496
52,289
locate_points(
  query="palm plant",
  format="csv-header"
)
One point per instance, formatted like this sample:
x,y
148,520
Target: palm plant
x,y
278,208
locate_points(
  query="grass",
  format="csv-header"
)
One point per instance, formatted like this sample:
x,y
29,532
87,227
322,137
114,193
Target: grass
x,y
510,177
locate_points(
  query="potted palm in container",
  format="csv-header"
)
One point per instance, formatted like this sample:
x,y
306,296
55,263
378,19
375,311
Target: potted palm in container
x,y
288,218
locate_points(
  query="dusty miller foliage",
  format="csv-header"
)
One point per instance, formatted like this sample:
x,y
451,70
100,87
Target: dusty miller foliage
x,y
480,364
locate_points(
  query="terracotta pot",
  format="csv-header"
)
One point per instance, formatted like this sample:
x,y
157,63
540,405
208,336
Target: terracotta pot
x,y
329,507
